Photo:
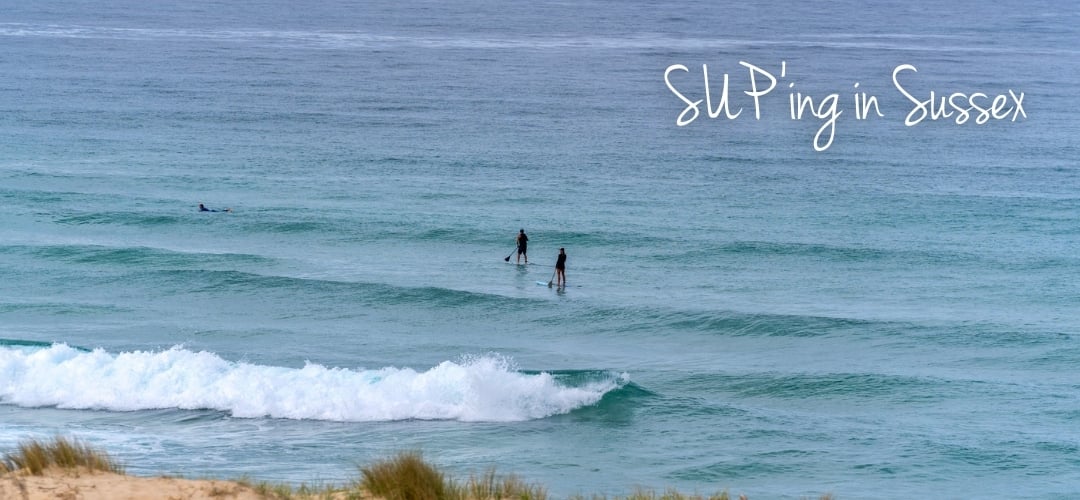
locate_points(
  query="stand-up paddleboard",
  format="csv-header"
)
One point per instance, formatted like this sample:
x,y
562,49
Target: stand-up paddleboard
x,y
553,285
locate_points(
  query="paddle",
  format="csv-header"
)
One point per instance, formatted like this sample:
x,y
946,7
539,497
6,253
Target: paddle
x,y
511,255
552,278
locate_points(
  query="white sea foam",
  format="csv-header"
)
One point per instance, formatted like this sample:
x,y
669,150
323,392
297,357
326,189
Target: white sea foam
x,y
484,388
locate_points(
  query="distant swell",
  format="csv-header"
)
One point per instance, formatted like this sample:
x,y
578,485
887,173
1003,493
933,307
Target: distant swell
x,y
138,257
738,324
482,388
837,253
122,218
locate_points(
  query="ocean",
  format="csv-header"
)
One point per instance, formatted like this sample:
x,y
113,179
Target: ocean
x,y
809,286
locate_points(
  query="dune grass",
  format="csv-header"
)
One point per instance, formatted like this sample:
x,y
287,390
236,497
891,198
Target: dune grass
x,y
279,491
35,456
489,485
408,477
405,476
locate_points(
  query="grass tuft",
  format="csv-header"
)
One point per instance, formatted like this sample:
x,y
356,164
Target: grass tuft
x,y
490,486
282,491
35,456
406,477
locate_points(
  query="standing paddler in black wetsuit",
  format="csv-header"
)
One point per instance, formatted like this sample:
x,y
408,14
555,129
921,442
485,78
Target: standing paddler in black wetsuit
x,y
560,269
522,246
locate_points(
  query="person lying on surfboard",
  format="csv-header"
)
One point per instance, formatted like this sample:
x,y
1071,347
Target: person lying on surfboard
x,y
202,208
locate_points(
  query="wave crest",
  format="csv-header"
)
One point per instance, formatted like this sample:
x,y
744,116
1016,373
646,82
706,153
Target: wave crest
x,y
479,388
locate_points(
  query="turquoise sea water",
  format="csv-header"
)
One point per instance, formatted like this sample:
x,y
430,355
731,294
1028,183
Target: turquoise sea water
x,y
893,317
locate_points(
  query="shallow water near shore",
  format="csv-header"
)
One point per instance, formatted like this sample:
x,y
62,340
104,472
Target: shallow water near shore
x,y
892,317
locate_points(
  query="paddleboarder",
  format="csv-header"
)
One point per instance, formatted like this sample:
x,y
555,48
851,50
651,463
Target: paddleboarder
x,y
522,245
560,268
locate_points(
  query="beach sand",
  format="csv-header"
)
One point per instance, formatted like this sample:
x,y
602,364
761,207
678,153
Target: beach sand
x,y
75,484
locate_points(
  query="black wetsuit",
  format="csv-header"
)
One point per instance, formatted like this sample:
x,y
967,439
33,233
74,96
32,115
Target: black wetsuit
x,y
523,243
561,263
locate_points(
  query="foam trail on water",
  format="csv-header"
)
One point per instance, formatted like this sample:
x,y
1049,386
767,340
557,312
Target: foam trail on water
x,y
482,388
